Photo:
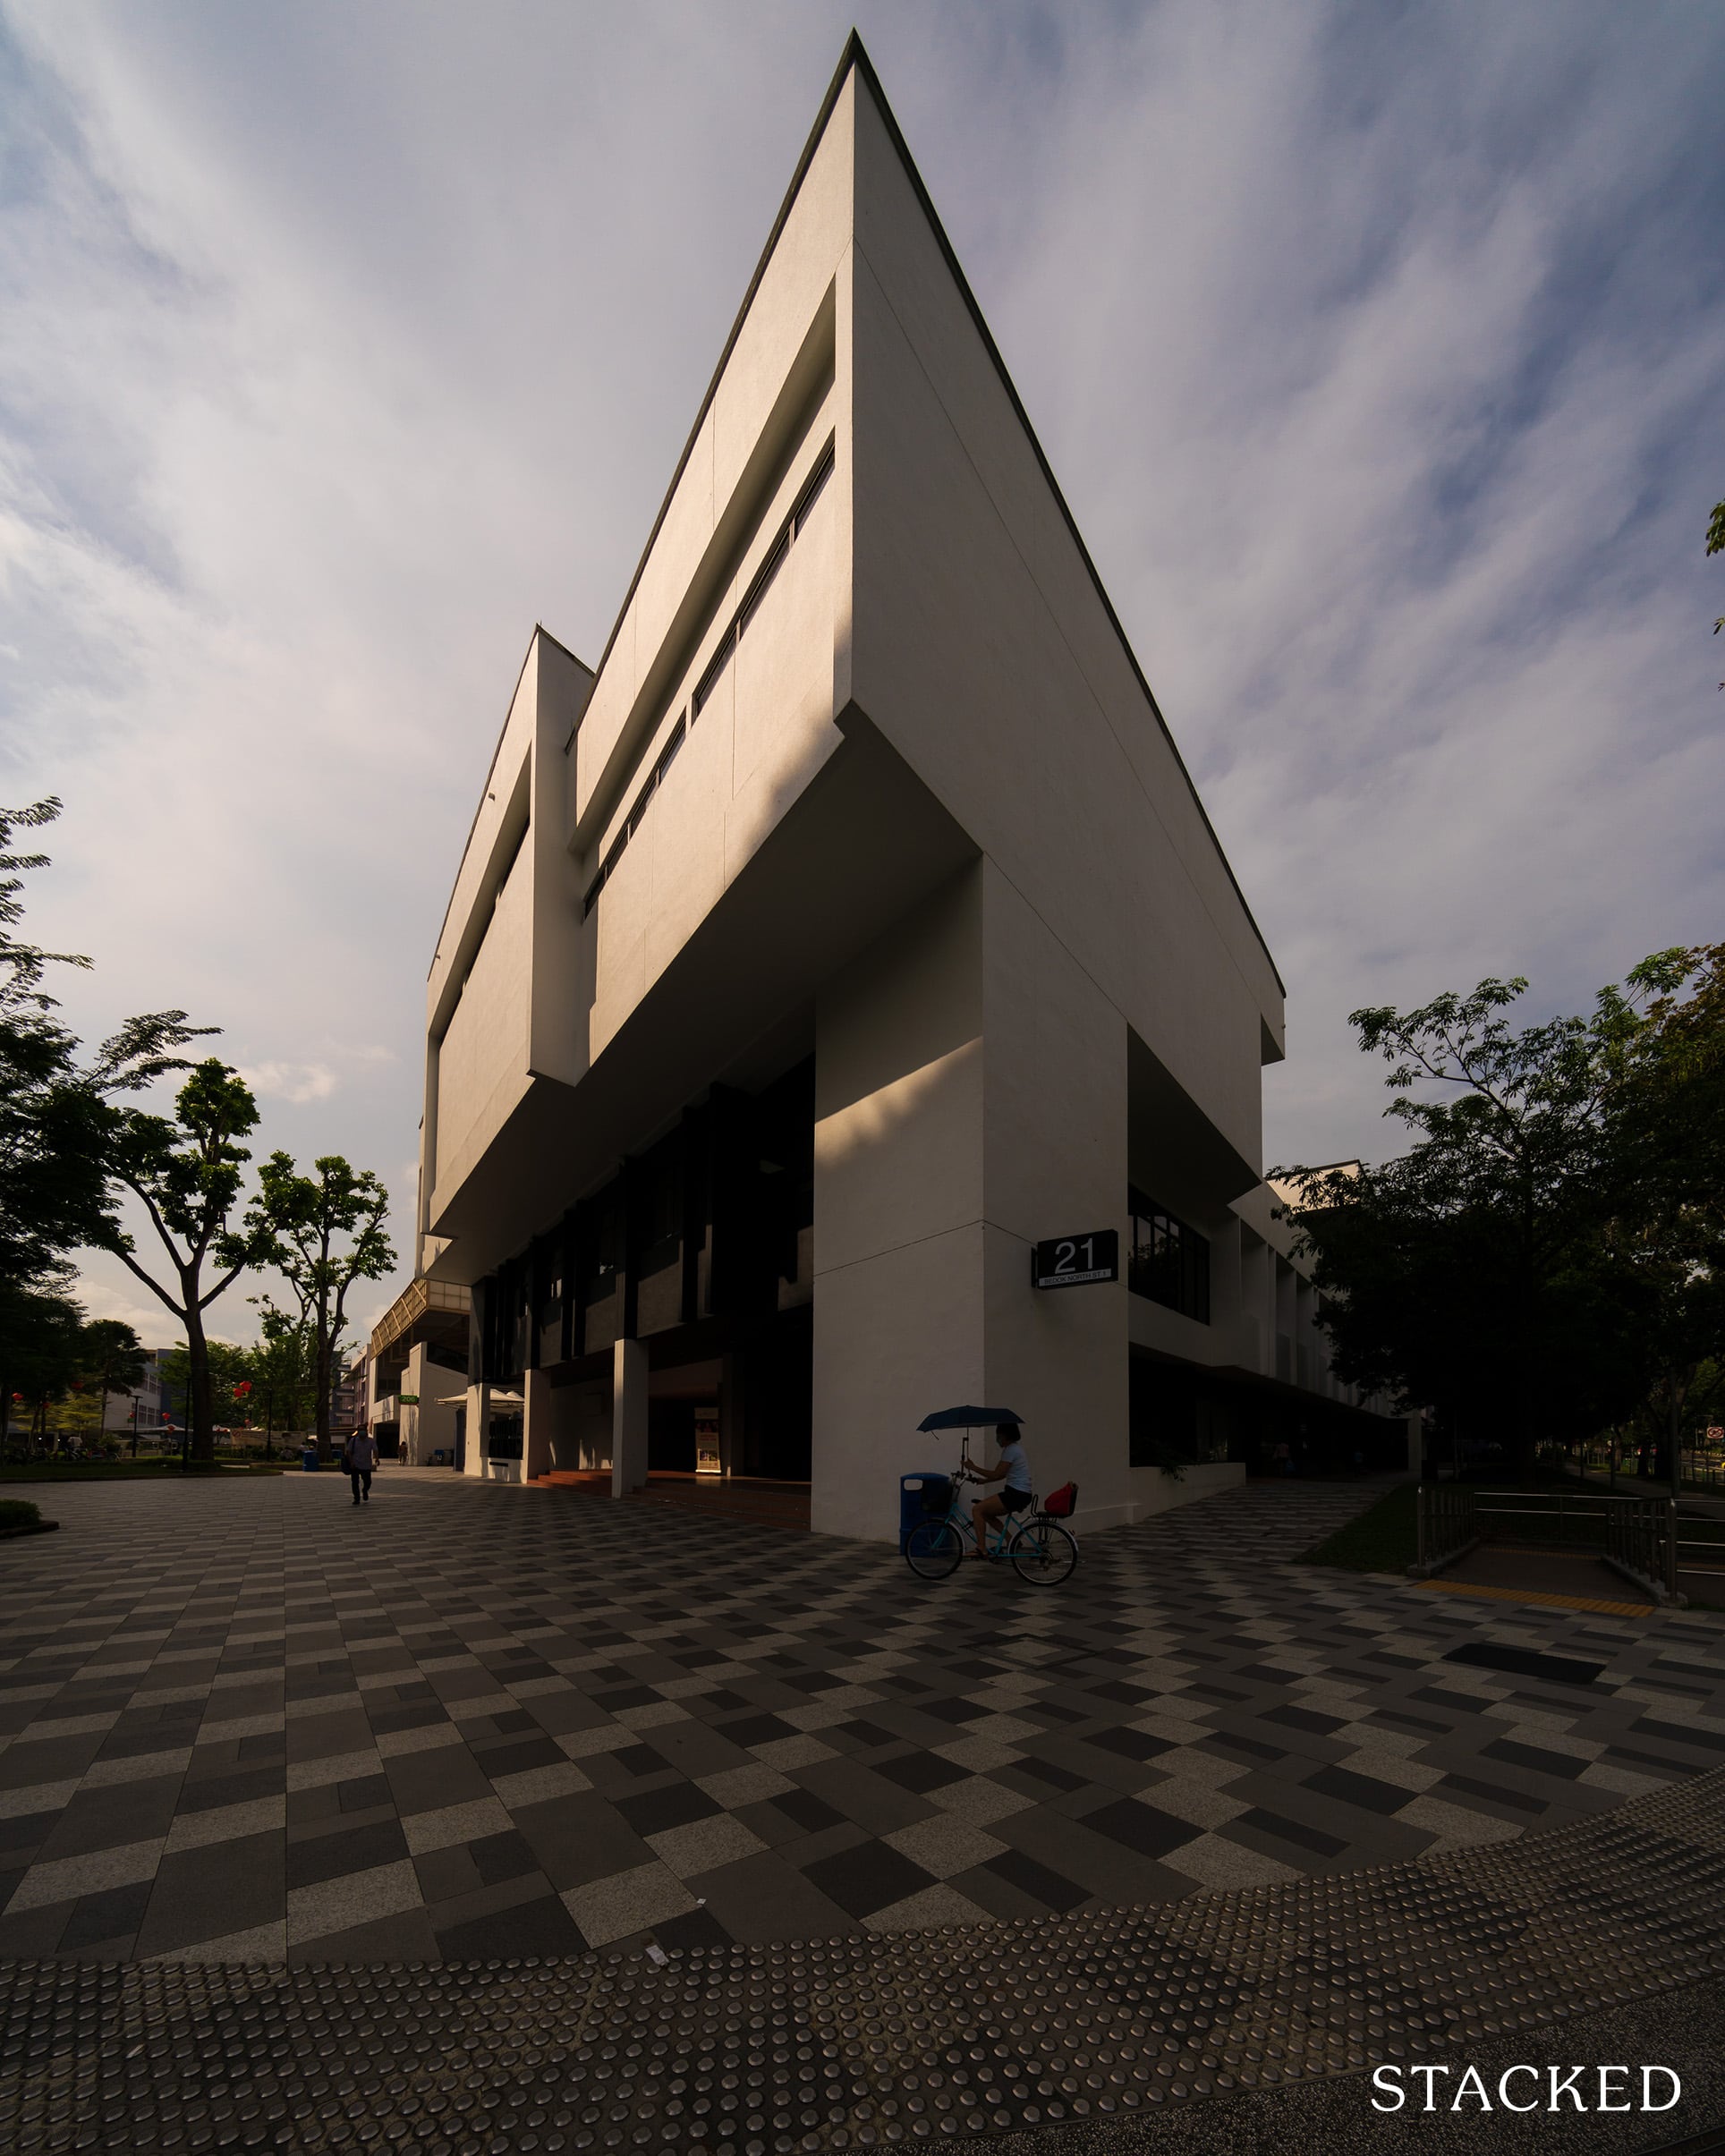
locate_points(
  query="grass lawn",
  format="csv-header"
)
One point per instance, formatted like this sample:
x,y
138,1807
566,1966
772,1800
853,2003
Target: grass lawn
x,y
126,1470
1385,1538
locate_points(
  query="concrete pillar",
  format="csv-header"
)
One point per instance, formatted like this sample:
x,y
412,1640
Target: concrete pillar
x,y
970,1099
628,1416
898,1232
730,1413
479,1430
535,1424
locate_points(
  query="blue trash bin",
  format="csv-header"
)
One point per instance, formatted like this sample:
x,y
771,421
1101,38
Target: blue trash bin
x,y
308,1459
921,1496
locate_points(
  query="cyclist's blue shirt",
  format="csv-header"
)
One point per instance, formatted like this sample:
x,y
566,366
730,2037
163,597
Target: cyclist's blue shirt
x,y
1016,1466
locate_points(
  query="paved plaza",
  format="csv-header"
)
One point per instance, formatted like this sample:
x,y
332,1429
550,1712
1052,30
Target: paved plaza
x,y
247,1721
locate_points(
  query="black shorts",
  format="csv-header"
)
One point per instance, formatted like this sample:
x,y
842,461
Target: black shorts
x,y
1013,1500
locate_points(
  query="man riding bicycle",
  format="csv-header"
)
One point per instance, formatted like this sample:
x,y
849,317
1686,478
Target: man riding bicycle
x,y
1012,1469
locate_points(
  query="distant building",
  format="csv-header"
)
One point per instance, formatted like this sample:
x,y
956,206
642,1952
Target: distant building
x,y
348,1393
851,939
147,1410
418,1362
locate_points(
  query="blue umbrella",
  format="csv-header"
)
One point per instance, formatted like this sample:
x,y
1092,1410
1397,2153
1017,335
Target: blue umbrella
x,y
968,1418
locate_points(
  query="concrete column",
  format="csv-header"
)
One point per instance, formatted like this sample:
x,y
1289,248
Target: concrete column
x,y
971,1097
898,1232
628,1416
730,1413
479,1429
535,1424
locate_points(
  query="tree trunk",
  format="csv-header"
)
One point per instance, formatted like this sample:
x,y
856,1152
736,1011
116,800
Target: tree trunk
x,y
200,1421
323,1378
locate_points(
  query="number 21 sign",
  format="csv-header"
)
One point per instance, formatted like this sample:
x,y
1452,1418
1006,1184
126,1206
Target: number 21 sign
x,y
1077,1261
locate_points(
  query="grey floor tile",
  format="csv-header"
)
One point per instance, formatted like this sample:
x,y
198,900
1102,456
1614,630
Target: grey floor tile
x,y
762,1898
578,1839
431,1781
206,1893
105,1819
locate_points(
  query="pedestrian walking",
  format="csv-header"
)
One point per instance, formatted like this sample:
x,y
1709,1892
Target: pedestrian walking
x,y
359,1457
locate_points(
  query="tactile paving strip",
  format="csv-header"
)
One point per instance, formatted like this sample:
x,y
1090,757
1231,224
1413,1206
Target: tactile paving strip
x,y
860,2043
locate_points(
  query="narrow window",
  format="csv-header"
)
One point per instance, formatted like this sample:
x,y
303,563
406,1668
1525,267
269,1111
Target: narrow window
x,y
667,755
764,576
715,666
812,492
631,823
642,799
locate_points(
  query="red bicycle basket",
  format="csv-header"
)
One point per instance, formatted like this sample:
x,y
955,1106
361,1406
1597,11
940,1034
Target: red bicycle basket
x,y
1063,1502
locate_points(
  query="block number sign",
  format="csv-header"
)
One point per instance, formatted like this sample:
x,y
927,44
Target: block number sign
x,y
1077,1261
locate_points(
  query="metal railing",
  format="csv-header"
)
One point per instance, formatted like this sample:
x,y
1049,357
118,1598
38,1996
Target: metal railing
x,y
1641,1538
1447,1524
1556,1518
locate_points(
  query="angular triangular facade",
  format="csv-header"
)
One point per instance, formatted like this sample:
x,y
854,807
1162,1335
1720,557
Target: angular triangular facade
x,y
853,928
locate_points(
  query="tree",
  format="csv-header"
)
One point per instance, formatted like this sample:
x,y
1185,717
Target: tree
x,y
51,1190
1473,1273
1716,545
43,1330
282,1370
57,1122
187,1175
228,1369
322,1232
112,1361
1668,1178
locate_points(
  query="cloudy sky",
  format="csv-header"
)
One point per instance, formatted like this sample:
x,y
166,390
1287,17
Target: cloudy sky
x,y
1380,351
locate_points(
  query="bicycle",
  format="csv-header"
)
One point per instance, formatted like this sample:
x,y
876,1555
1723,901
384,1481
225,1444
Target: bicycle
x,y
1043,1552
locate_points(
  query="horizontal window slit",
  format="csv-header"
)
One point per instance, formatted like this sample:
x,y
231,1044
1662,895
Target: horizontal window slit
x,y
764,576
812,493
715,667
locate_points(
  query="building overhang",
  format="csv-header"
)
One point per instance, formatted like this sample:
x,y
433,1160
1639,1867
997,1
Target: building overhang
x,y
862,844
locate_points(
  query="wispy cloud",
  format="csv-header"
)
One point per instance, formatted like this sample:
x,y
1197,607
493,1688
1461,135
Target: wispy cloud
x,y
1380,353
298,1082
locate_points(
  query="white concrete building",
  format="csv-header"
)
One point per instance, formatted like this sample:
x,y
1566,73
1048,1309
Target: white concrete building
x,y
852,928
129,1414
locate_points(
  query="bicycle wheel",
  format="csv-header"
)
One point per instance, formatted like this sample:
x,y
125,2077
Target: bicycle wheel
x,y
1043,1553
933,1550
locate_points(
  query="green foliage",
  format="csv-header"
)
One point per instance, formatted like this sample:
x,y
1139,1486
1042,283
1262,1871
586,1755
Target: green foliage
x,y
284,1368
1667,1229
228,1366
111,1359
52,1194
1539,1259
1716,545
18,1512
57,1126
187,1173
41,1351
322,1232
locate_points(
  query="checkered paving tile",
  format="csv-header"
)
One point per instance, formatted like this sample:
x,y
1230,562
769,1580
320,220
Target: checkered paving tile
x,y
246,1721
